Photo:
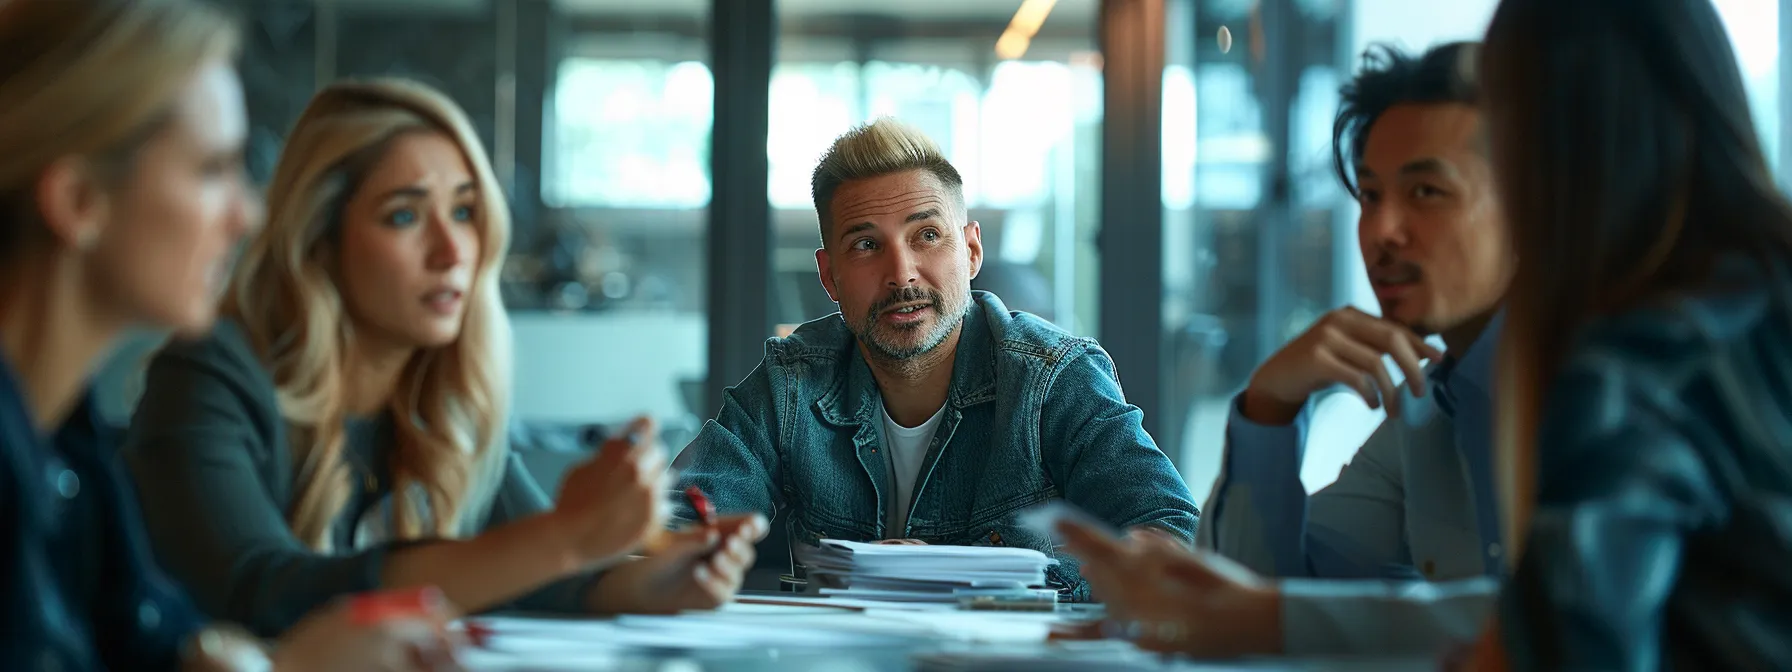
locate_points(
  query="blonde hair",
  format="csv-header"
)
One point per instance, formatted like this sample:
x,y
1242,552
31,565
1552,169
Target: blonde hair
x,y
450,412
91,78
883,147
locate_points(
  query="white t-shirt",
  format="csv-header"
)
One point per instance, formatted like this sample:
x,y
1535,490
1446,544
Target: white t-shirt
x,y
906,447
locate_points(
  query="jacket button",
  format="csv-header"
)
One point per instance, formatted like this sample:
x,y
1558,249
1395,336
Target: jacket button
x,y
149,616
1430,569
1493,550
68,484
48,661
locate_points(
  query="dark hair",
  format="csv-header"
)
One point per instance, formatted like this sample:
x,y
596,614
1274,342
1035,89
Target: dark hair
x,y
1389,77
1626,156
1628,167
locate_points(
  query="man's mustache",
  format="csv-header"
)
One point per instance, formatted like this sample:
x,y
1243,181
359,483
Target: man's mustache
x,y
901,296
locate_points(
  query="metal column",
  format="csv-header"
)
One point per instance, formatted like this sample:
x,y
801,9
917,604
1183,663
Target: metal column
x,y
743,36
1132,216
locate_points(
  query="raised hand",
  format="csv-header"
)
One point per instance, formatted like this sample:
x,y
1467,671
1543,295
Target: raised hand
x,y
614,503
1344,347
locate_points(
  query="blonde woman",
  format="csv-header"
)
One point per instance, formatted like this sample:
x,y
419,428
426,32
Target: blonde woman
x,y
121,195
343,429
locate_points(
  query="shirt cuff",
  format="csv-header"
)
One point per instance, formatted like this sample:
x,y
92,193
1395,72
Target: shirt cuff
x,y
1380,618
1254,451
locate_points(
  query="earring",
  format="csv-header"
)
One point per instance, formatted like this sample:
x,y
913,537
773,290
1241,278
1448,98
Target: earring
x,y
87,239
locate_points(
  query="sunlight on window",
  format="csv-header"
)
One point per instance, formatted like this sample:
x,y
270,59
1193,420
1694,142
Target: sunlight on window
x,y
1179,142
1754,30
1001,139
630,134
1026,114
811,104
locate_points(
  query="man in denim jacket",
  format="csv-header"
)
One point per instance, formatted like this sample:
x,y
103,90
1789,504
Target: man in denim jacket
x,y
924,411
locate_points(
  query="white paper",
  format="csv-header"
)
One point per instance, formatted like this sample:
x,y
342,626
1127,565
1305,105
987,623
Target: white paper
x,y
839,603
910,573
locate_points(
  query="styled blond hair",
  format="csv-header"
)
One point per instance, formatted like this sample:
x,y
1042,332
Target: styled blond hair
x,y
450,412
94,79
883,147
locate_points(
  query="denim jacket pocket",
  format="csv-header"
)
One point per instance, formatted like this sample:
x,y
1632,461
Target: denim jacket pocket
x,y
999,525
811,526
1063,576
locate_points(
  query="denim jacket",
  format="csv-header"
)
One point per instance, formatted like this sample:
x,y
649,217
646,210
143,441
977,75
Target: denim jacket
x,y
1033,414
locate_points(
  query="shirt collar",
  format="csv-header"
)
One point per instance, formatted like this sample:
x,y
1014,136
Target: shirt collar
x,y
82,428
1473,370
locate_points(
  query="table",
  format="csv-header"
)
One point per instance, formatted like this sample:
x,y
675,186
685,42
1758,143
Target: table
x,y
752,638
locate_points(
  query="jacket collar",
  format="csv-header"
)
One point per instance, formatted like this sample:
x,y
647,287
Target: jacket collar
x,y
854,398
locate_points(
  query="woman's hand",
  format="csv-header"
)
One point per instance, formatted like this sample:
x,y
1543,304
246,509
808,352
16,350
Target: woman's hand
x,y
346,636
613,503
699,567
1165,598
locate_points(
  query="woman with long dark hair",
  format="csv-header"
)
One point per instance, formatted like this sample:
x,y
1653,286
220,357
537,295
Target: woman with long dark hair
x,y
1645,433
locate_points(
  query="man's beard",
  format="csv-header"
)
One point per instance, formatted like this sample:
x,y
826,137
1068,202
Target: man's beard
x,y
886,342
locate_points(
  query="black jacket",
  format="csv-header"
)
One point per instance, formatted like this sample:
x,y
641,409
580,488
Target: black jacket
x,y
78,588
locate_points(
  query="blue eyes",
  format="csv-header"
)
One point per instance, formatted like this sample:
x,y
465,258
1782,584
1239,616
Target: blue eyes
x,y
406,217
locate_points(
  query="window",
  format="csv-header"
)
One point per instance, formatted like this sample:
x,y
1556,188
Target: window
x,y
1023,133
631,133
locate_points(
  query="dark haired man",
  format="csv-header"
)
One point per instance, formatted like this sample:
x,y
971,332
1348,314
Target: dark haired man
x,y
1417,501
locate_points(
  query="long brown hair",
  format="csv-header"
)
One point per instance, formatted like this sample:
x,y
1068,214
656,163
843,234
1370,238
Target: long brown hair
x,y
453,401
1628,165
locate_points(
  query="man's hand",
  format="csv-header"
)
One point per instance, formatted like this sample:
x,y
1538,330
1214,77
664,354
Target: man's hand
x,y
1165,598
698,567
1345,347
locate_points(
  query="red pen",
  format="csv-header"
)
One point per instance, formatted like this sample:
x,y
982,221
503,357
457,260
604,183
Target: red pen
x,y
478,634
706,511
375,608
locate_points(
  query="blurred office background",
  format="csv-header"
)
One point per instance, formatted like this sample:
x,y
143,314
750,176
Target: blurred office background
x,y
1136,182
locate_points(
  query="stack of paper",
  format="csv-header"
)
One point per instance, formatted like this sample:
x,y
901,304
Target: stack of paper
x,y
908,573
519,644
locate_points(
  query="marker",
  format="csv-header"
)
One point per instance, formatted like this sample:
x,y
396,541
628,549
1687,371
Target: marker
x,y
375,608
706,511
478,634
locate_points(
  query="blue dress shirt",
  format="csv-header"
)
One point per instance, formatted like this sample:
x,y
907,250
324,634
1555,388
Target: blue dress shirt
x,y
1415,503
